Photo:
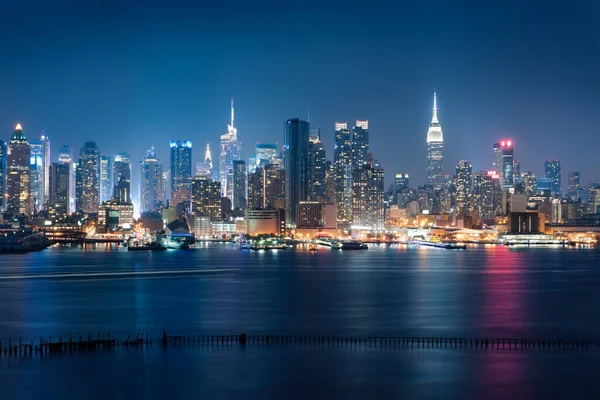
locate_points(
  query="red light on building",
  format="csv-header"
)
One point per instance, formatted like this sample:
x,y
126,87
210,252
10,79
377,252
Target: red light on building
x,y
509,143
503,143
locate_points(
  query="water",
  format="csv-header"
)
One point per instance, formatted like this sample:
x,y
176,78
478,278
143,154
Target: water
x,y
387,290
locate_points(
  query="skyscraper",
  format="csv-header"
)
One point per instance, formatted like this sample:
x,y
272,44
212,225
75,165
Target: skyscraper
x,y
317,167
106,178
361,151
504,162
205,167
529,184
2,175
65,156
181,171
122,178
18,199
58,181
368,196
88,185
230,151
206,197
296,167
239,184
267,154
552,168
266,187
464,180
39,164
342,173
483,195
435,150
151,188
574,186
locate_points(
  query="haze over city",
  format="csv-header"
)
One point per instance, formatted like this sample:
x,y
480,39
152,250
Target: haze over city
x,y
129,77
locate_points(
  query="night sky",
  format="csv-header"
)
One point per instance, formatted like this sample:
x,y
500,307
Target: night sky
x,y
129,76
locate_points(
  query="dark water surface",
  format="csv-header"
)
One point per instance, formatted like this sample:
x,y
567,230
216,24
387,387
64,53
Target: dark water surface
x,y
387,290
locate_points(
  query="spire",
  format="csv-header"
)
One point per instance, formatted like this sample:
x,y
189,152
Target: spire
x,y
434,118
18,127
232,112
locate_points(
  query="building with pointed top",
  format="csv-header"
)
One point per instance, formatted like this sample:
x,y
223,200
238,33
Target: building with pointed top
x,y
435,150
230,151
18,194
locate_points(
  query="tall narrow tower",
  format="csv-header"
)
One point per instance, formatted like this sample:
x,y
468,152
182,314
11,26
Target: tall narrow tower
x,y
435,150
230,151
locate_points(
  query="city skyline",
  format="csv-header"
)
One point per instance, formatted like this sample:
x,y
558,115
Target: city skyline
x,y
146,89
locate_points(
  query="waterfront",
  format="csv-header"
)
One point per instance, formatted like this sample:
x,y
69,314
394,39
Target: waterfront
x,y
485,291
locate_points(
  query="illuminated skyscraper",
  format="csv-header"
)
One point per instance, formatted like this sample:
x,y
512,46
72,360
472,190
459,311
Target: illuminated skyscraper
x,y
59,180
230,151
317,167
2,175
529,184
40,164
151,189
65,156
552,168
361,150
368,196
106,175
483,194
296,167
574,186
206,197
18,179
122,178
181,171
205,167
435,150
267,154
239,184
464,180
88,178
504,161
342,173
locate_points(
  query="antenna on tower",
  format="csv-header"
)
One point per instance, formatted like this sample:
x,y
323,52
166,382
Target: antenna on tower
x,y
232,112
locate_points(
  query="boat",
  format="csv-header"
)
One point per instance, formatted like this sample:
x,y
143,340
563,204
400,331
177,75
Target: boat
x,y
153,246
353,245
440,245
22,241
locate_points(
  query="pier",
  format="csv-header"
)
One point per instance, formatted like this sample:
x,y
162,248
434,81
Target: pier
x,y
90,343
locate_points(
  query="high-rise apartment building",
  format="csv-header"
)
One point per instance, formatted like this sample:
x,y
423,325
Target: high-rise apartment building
x,y
553,172
483,194
342,173
464,181
529,184
296,167
206,197
367,196
230,151
266,187
181,171
88,178
151,179
18,195
59,181
317,166
361,151
122,178
239,184
435,150
65,156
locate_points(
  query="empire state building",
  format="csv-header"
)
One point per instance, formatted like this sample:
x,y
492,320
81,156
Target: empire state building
x,y
435,150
